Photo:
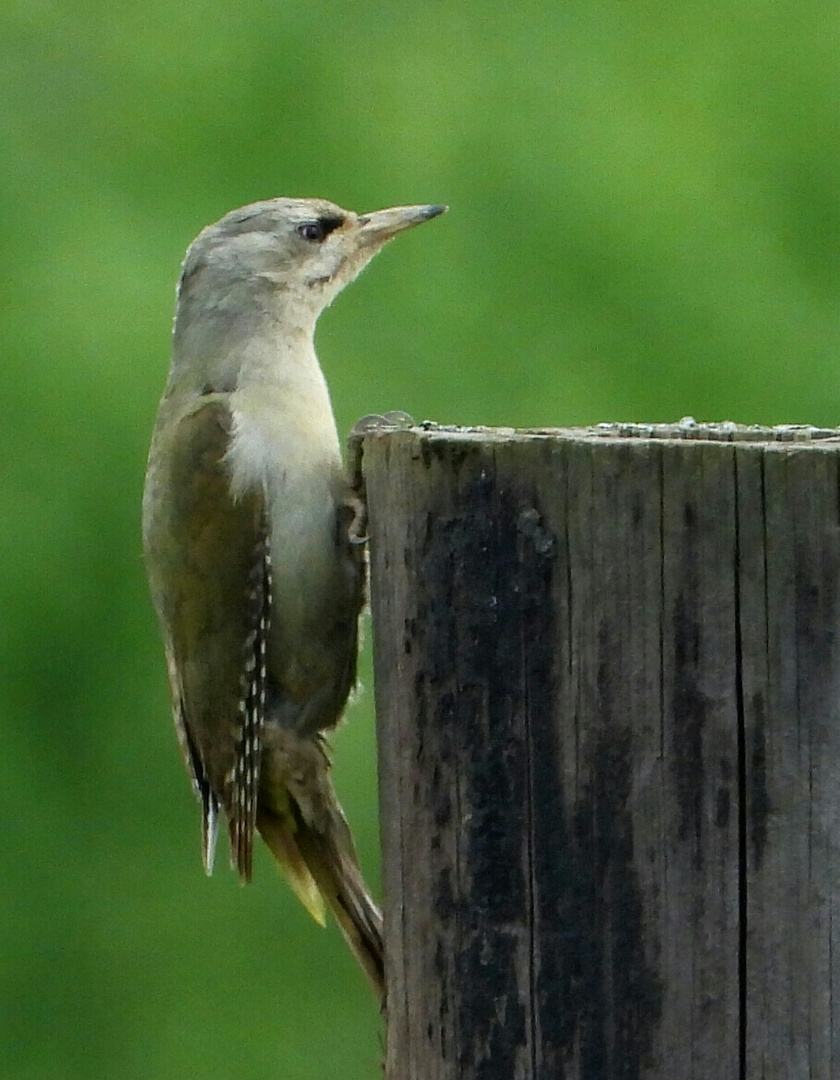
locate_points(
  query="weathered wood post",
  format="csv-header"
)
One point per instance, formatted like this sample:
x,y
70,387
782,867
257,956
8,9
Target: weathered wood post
x,y
608,693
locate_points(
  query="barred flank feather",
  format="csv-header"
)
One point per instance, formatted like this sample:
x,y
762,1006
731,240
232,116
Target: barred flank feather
x,y
244,783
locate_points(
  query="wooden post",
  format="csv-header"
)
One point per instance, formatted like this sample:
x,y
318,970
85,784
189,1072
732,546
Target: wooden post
x,y
608,692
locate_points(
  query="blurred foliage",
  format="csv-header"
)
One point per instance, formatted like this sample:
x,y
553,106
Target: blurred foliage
x,y
644,225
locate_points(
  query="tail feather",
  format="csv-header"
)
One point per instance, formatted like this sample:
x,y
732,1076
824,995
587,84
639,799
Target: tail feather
x,y
302,823
332,862
282,842
321,865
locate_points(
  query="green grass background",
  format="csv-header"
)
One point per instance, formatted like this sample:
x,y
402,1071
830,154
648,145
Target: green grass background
x,y
644,225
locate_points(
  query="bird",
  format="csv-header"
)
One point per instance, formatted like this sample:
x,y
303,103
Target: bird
x,y
253,538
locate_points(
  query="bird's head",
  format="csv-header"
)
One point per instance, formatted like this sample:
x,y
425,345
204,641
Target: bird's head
x,y
299,253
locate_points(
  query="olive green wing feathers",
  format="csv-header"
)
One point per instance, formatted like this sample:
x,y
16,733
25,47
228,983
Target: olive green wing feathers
x,y
210,570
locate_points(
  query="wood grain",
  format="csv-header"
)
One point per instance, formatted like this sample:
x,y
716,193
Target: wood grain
x,y
607,674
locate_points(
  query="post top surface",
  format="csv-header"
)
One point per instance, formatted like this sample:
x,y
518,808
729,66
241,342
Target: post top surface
x,y
683,430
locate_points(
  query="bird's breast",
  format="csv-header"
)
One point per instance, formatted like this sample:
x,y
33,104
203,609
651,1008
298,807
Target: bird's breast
x,y
288,449
315,593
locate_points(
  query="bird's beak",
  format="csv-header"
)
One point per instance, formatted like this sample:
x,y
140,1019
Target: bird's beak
x,y
379,227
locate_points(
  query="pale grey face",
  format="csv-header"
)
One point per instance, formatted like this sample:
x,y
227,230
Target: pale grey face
x,y
307,249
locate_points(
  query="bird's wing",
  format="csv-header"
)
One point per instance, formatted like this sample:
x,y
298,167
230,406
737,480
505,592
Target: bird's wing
x,y
213,588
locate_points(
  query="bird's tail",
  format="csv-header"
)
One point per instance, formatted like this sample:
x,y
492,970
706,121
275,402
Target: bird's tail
x,y
318,857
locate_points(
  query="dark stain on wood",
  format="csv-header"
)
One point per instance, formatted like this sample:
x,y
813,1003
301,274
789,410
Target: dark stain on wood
x,y
688,720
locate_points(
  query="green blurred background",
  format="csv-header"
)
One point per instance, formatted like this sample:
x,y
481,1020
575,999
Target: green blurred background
x,y
644,225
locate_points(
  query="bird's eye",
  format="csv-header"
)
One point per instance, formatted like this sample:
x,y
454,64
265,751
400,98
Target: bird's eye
x,y
313,231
